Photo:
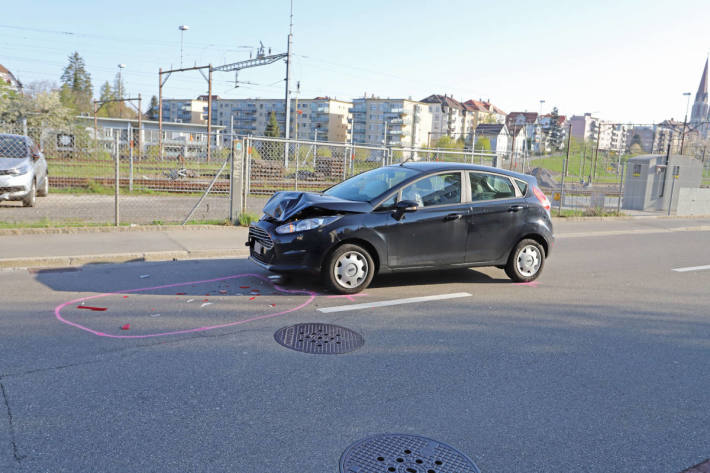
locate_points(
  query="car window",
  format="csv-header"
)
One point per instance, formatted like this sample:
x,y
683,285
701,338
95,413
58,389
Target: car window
x,y
388,204
522,185
12,147
440,189
490,186
371,184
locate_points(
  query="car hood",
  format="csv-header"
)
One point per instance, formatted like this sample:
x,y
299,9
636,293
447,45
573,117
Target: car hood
x,y
284,206
10,163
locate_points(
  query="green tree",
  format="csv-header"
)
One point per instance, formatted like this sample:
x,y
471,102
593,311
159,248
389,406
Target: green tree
x,y
272,128
76,90
152,113
555,131
107,109
40,105
483,143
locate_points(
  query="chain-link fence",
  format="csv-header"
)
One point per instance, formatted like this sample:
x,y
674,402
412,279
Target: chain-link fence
x,y
117,175
103,176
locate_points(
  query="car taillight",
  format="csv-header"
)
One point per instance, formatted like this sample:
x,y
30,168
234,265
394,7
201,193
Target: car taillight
x,y
544,201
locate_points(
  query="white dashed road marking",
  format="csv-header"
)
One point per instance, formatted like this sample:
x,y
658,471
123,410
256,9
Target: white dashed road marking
x,y
692,268
411,300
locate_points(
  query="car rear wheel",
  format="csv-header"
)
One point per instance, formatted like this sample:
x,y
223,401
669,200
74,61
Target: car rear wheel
x,y
43,190
526,261
31,197
349,269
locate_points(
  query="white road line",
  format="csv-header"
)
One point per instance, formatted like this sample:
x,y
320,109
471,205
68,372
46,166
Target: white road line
x,y
411,300
692,268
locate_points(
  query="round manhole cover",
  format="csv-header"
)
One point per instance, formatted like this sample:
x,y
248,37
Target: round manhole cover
x,y
404,454
324,339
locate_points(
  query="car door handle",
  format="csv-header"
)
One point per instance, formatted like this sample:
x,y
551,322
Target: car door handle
x,y
515,208
453,217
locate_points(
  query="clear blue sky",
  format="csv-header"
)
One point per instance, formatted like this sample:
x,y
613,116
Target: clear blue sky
x,y
624,60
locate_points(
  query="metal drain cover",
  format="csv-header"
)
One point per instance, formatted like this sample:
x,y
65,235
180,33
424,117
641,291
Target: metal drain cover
x,y
401,453
322,339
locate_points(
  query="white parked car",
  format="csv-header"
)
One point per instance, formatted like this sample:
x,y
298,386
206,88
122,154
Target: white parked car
x,y
23,170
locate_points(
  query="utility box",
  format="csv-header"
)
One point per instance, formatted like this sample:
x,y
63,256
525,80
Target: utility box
x,y
654,180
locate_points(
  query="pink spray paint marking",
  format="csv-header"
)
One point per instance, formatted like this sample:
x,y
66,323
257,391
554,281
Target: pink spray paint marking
x,y
347,296
531,283
58,309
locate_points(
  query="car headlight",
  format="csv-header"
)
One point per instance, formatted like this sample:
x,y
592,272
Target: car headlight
x,y
306,224
18,171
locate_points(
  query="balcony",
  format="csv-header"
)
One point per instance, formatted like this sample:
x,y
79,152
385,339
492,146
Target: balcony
x,y
396,110
396,121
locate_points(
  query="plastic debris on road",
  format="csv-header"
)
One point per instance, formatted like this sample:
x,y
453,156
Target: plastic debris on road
x,y
126,327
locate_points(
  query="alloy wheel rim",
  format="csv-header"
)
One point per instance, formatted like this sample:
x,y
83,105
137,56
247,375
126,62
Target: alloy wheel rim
x,y
350,269
529,259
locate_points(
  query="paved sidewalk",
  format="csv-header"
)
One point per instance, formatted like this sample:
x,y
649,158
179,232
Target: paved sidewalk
x,y
35,248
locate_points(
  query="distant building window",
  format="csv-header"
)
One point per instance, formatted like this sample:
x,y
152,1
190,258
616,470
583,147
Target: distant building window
x,y
637,170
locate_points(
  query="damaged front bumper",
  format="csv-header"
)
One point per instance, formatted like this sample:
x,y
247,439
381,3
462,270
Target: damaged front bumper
x,y
15,187
296,252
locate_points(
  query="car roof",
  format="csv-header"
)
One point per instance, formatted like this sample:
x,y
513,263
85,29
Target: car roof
x,y
436,166
10,135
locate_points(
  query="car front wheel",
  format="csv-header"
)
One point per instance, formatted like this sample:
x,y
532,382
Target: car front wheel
x,y
43,190
526,261
31,197
349,269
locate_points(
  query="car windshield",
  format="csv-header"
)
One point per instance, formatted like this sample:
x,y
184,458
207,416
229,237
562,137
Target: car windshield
x,y
12,147
368,185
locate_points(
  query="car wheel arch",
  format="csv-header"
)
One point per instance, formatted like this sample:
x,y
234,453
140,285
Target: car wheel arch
x,y
538,238
355,241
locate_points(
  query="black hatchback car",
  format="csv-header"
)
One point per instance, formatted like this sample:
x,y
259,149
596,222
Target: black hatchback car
x,y
407,217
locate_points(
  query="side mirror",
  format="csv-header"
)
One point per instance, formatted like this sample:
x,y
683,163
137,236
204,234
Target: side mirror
x,y
406,206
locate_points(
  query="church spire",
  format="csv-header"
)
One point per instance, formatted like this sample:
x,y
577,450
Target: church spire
x,y
702,95
700,106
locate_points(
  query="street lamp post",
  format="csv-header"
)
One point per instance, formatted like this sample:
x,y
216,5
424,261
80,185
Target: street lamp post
x,y
120,92
182,29
685,122
538,128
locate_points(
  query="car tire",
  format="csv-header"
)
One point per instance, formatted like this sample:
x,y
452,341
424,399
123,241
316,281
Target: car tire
x,y
43,190
348,269
526,261
31,197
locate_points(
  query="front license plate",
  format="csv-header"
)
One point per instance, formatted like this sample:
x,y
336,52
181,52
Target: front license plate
x,y
258,248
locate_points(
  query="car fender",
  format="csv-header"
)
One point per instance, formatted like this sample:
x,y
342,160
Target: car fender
x,y
360,233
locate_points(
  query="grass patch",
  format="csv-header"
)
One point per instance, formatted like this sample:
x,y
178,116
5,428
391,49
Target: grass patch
x,y
245,219
47,223
591,212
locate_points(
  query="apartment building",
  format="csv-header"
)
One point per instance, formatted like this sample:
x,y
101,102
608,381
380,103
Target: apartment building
x,y
484,112
395,122
641,136
584,127
320,118
185,110
7,78
449,117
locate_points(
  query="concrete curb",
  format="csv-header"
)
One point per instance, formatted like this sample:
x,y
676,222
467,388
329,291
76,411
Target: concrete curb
x,y
133,228
151,256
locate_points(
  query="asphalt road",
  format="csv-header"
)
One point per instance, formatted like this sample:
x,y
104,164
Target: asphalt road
x,y
603,366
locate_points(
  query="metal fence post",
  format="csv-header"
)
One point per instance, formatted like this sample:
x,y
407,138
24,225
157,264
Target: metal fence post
x,y
246,163
116,181
670,199
232,182
621,192
130,157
